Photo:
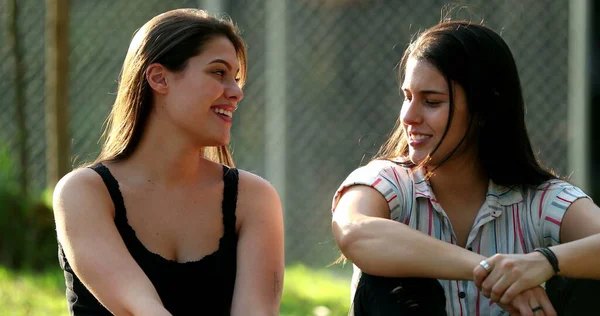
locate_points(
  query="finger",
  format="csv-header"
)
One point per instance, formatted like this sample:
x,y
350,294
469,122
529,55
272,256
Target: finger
x,y
480,273
489,282
521,303
525,309
544,301
511,310
536,308
511,292
500,287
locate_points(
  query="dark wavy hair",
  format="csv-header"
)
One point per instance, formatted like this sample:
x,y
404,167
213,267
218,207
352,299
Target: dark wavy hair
x,y
478,59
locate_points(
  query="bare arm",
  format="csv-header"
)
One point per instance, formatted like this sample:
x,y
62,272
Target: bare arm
x,y
84,216
260,266
579,254
578,257
383,247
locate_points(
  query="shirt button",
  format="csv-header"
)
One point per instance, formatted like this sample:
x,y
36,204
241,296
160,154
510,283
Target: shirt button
x,y
462,295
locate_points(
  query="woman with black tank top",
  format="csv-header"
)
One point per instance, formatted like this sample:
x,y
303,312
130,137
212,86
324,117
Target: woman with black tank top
x,y
162,223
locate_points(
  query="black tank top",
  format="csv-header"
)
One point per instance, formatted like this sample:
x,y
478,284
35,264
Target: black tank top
x,y
191,288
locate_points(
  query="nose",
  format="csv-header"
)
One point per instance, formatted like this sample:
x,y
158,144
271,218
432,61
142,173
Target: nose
x,y
233,92
410,114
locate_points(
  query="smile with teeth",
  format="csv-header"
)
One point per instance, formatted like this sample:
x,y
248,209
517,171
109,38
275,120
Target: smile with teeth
x,y
223,112
419,136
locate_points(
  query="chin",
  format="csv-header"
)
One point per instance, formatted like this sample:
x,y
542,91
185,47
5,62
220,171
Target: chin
x,y
223,142
416,158
219,139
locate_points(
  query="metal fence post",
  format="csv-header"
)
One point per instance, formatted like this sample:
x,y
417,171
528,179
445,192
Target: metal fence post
x,y
212,6
579,91
276,87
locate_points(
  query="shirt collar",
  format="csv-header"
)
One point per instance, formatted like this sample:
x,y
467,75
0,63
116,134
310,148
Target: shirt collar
x,y
497,195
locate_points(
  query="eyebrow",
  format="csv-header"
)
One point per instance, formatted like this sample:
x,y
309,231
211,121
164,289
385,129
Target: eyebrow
x,y
428,92
222,61
433,92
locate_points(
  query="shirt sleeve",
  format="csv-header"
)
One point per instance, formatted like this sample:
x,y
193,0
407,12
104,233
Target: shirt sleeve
x,y
387,178
550,203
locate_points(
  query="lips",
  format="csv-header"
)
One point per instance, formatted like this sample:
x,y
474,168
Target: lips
x,y
418,139
224,111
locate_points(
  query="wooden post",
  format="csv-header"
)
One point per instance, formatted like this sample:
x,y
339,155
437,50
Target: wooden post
x,y
12,43
57,96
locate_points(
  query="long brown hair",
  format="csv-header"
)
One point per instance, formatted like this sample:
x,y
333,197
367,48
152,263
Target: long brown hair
x,y
170,39
478,59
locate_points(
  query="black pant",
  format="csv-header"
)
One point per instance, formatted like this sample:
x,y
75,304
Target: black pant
x,y
380,296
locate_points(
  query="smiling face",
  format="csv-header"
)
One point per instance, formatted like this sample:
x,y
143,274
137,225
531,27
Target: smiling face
x,y
425,114
200,100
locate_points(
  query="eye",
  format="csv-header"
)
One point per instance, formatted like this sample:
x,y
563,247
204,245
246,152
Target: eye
x,y
220,72
433,103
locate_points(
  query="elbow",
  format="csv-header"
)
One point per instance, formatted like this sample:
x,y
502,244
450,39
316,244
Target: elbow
x,y
360,243
350,237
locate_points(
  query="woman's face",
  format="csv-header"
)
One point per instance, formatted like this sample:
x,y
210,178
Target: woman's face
x,y
426,110
202,98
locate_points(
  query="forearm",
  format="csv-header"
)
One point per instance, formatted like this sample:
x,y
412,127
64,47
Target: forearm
x,y
254,303
140,305
253,310
387,248
580,258
151,310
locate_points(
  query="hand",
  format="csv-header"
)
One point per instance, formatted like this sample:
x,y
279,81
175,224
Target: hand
x,y
524,303
512,274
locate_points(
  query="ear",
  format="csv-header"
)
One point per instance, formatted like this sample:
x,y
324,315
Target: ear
x,y
156,77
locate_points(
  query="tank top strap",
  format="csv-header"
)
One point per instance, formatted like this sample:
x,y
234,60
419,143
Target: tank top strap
x,y
113,189
230,192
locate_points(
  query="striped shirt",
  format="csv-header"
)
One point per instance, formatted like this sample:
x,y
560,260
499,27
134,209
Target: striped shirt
x,y
511,221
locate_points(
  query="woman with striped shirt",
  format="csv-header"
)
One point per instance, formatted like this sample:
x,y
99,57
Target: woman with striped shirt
x,y
454,215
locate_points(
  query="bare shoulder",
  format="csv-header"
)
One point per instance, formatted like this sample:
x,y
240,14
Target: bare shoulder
x,y
254,186
256,195
80,194
83,181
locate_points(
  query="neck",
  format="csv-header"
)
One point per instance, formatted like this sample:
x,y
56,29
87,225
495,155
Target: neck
x,y
460,179
166,156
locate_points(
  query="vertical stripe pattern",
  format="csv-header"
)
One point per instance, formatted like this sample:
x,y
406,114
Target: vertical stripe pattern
x,y
510,221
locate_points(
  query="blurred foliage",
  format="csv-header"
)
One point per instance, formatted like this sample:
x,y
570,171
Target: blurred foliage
x,y
27,235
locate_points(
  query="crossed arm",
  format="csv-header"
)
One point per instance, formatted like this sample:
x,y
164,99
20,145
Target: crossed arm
x,y
362,230
578,257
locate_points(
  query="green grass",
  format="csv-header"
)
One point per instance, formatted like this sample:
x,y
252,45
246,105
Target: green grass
x,y
26,293
306,293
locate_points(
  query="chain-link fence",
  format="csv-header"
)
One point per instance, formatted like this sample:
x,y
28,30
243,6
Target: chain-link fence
x,y
341,96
